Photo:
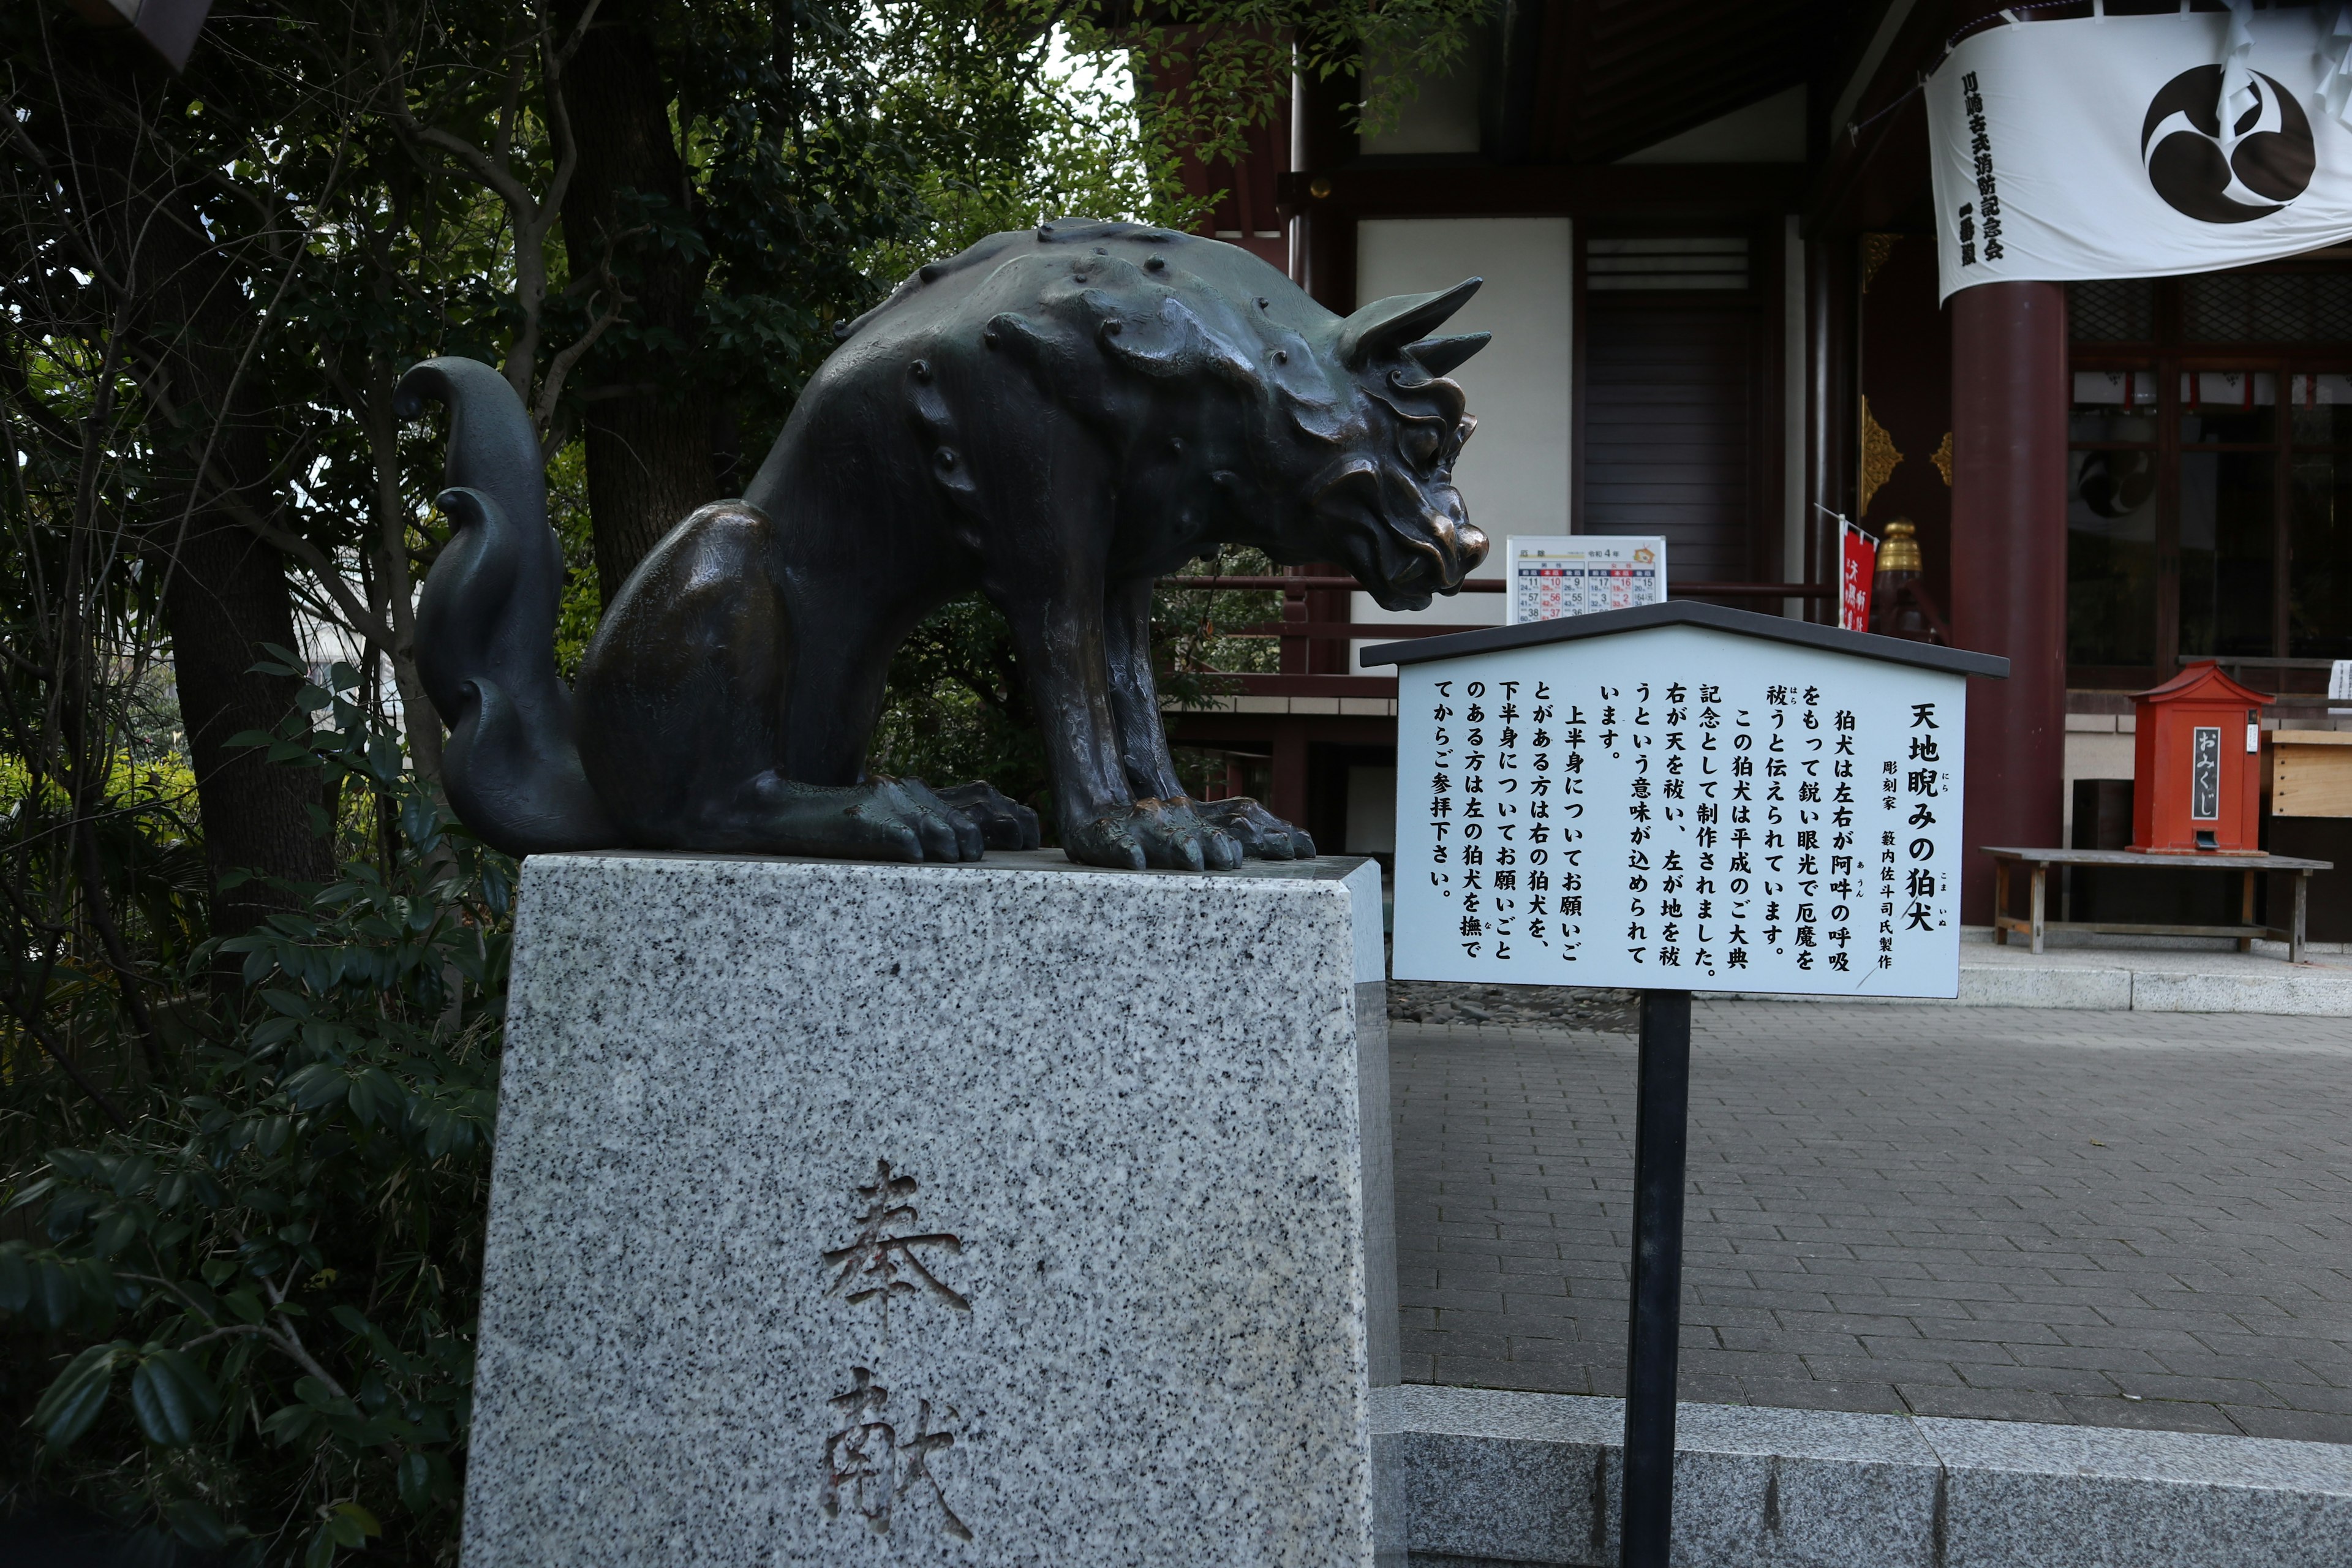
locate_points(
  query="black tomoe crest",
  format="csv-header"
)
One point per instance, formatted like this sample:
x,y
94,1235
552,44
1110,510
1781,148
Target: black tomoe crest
x,y
2264,163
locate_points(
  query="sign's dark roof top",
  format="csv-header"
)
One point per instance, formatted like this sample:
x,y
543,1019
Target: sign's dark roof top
x,y
1690,613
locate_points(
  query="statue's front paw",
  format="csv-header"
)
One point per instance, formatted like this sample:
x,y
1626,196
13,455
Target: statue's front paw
x,y
1003,823
1156,833
1258,831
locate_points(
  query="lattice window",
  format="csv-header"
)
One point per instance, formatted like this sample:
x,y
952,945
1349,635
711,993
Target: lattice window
x,y
1675,262
2111,311
2269,307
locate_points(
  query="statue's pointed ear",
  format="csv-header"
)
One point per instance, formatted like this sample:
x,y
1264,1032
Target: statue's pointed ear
x,y
1440,355
1386,326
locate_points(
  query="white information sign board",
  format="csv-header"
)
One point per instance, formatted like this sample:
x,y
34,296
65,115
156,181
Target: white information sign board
x,y
1552,575
1680,807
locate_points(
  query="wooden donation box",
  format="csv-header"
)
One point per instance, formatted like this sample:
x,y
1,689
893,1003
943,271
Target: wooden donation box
x,y
2311,773
2197,766
1681,796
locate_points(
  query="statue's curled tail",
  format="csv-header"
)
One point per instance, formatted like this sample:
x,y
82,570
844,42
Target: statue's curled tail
x,y
486,626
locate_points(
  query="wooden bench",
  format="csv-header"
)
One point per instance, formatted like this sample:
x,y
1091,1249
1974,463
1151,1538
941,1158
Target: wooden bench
x,y
2036,924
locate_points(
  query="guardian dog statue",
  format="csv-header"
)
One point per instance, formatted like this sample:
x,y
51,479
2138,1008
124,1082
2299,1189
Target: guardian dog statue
x,y
1056,417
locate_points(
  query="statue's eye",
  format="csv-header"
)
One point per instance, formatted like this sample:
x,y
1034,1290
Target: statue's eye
x,y
1418,447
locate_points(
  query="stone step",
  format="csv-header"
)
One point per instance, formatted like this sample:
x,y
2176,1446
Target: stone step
x,y
1532,1478
2177,978
2155,986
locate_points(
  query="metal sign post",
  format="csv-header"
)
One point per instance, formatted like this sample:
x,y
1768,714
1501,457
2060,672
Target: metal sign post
x,y
1660,1124
1676,798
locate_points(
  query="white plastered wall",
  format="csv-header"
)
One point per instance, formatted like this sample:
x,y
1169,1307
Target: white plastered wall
x,y
1514,474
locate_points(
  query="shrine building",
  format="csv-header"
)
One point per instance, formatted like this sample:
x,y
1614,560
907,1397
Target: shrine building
x,y
1709,243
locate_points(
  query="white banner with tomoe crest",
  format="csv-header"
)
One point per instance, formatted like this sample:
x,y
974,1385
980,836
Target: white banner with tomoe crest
x,y
2142,146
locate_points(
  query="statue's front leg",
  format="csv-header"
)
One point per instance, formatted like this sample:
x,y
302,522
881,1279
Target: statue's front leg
x,y
1142,734
1063,648
1232,828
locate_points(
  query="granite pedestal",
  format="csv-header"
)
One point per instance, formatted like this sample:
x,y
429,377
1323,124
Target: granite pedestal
x,y
1011,1213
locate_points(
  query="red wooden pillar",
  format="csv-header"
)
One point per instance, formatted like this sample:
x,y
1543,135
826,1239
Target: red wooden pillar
x,y
1829,375
2009,400
1288,793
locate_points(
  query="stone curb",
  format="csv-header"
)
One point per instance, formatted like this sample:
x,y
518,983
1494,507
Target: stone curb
x,y
2311,994
2290,992
1532,1478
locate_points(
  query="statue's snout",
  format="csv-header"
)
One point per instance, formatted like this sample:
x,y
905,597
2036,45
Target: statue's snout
x,y
1460,547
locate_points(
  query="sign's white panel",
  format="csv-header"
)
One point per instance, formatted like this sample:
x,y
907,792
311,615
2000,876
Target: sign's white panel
x,y
1680,807
1554,575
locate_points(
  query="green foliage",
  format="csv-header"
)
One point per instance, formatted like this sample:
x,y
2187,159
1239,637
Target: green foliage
x,y
1009,128
273,1278
584,600
1214,68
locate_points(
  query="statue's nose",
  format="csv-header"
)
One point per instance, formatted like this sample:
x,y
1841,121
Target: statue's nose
x,y
1470,546
1462,546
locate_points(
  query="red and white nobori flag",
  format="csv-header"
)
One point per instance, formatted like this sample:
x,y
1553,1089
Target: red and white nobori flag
x,y
1857,568
2142,146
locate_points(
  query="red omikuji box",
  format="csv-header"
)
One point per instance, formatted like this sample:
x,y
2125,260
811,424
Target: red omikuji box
x,y
2197,768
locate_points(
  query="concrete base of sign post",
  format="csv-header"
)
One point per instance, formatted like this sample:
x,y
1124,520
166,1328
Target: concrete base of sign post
x,y
1531,1479
1015,1213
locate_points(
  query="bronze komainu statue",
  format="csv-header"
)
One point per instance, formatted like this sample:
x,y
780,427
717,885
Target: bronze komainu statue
x,y
1055,416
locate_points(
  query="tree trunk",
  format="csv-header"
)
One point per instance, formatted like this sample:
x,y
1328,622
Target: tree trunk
x,y
227,597
648,426
226,592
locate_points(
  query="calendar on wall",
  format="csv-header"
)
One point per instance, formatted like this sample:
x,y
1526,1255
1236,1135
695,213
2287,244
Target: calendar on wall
x,y
1555,575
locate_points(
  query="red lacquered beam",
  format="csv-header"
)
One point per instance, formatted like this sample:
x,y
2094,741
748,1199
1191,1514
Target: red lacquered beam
x,y
1751,591
1360,631
1491,585
1301,585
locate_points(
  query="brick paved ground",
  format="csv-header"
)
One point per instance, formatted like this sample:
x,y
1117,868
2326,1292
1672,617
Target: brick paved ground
x,y
2124,1219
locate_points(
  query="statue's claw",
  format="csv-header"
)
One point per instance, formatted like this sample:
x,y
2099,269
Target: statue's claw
x,y
1219,851
945,833
1106,841
1259,832
1003,823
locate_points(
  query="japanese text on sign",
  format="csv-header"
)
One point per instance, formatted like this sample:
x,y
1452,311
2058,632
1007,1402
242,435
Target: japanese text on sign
x,y
1679,808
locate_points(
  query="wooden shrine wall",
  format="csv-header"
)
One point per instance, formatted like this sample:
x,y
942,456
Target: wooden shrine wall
x,y
1905,440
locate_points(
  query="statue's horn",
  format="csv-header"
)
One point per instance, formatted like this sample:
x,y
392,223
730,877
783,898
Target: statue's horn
x,y
1440,355
1386,326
